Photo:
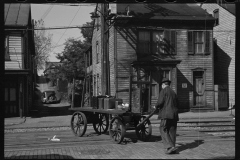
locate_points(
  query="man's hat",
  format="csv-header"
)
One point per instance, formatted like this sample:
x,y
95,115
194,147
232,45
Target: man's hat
x,y
166,80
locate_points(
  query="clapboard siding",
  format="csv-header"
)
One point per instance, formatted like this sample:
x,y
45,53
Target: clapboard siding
x,y
97,68
184,71
125,55
225,51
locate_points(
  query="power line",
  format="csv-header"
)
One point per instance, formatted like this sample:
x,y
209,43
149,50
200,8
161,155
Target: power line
x,y
70,4
68,25
43,28
64,44
46,13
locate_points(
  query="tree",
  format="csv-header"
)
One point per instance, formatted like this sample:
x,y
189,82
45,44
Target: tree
x,y
43,44
72,59
87,32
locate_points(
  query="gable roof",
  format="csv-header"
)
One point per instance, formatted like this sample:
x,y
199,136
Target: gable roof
x,y
164,11
16,14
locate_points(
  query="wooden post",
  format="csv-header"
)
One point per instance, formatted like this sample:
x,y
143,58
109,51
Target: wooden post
x,y
83,91
130,93
73,93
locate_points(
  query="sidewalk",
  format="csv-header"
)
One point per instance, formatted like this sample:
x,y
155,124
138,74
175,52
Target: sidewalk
x,y
64,121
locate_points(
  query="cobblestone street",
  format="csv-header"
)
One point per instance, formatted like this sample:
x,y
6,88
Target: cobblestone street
x,y
197,149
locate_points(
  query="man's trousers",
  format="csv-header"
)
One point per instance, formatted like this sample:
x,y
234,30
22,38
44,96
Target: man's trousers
x,y
168,129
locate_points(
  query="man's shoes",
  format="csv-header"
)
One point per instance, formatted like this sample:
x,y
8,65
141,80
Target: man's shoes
x,y
171,150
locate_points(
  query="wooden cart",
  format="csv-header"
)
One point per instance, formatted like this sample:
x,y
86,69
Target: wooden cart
x,y
116,121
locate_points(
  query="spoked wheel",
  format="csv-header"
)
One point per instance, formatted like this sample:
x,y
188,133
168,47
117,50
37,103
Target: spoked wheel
x,y
144,133
117,130
101,123
79,124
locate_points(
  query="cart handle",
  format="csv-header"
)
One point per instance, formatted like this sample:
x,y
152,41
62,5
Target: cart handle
x,y
147,118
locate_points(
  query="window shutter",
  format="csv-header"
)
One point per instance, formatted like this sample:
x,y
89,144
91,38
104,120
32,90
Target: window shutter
x,y
173,42
167,42
190,42
207,42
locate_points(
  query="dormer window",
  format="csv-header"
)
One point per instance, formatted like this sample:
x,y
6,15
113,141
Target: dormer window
x,y
216,16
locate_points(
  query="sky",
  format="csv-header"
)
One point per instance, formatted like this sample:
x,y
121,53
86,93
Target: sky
x,y
62,15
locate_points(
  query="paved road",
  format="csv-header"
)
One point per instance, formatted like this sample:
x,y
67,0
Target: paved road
x,y
191,144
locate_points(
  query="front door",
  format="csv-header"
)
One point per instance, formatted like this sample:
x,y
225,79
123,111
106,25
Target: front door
x,y
199,88
11,99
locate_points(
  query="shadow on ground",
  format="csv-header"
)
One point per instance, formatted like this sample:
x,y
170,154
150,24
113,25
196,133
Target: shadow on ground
x,y
190,145
131,137
46,111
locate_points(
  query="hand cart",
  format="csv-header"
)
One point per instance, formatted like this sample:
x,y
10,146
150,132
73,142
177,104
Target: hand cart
x,y
116,121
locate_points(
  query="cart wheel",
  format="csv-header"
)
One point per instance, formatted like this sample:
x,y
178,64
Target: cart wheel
x,y
145,131
78,124
117,130
101,123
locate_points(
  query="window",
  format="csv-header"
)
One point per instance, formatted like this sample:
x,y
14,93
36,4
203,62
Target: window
x,y
90,52
216,16
97,52
166,74
7,57
95,86
144,42
98,85
199,42
157,46
98,21
156,42
170,41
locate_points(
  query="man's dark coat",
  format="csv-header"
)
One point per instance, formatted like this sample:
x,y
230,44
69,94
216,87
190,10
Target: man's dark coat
x,y
168,104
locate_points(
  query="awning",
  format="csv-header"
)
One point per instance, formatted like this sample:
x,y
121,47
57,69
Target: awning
x,y
152,60
16,14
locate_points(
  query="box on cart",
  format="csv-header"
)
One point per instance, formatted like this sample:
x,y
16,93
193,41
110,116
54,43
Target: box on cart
x,y
100,103
95,101
110,103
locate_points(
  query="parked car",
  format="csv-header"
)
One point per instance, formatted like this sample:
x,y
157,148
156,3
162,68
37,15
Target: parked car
x,y
50,97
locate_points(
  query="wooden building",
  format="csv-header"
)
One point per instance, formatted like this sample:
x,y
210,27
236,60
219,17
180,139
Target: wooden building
x,y
224,51
143,43
19,51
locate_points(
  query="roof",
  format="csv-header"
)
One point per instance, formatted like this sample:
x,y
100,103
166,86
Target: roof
x,y
230,8
164,11
16,14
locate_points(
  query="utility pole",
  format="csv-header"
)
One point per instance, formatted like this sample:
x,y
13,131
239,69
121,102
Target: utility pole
x,y
104,45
